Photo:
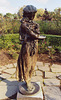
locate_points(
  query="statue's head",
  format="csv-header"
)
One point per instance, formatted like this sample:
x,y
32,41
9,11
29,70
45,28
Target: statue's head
x,y
29,11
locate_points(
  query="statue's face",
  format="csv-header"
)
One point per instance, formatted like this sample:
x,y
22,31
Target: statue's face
x,y
30,15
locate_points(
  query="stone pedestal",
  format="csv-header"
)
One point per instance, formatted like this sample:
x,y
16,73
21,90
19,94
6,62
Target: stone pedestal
x,y
36,96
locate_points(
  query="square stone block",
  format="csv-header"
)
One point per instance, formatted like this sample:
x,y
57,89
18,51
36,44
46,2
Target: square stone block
x,y
37,96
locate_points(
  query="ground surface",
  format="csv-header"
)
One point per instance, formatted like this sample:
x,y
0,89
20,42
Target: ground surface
x,y
47,72
48,75
6,59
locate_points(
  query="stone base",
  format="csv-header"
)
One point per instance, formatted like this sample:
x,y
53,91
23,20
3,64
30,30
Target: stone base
x,y
36,96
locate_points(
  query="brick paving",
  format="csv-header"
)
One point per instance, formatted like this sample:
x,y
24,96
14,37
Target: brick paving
x,y
49,75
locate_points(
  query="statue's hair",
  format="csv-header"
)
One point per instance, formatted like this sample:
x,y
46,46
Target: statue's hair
x,y
30,9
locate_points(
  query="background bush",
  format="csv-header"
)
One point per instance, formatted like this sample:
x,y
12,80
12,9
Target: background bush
x,y
51,43
9,26
50,27
11,41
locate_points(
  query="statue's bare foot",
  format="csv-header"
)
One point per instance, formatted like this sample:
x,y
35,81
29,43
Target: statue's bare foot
x,y
30,87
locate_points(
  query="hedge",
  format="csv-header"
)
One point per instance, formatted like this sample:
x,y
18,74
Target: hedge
x,y
12,41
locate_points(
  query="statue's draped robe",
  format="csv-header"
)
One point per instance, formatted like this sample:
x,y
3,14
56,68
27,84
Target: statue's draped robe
x,y
28,55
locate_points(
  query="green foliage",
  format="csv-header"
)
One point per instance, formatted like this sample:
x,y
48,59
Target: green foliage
x,y
12,53
8,15
20,12
50,27
9,26
50,45
46,15
57,12
11,43
1,15
39,13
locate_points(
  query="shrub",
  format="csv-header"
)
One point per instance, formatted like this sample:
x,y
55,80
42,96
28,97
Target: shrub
x,y
50,27
9,26
51,40
10,41
12,44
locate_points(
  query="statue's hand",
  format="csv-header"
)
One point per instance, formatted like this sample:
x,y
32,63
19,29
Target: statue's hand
x,y
41,37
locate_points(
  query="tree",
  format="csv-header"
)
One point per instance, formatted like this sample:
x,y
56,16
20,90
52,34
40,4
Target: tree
x,y
8,15
15,16
39,13
57,12
46,15
20,12
1,16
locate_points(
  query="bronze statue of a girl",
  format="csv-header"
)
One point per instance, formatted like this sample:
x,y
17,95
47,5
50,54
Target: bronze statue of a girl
x,y
29,35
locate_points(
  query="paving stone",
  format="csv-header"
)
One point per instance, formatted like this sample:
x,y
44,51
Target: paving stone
x,y
51,74
9,65
37,79
4,75
10,71
7,91
39,73
42,64
46,64
39,63
56,69
52,82
45,68
2,68
52,93
56,65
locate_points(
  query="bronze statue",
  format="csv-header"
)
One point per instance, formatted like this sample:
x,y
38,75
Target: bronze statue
x,y
29,35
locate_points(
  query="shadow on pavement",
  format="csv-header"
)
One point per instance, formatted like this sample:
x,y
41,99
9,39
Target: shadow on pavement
x,y
12,88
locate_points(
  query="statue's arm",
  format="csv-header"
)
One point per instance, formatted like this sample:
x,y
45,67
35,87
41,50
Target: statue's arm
x,y
28,31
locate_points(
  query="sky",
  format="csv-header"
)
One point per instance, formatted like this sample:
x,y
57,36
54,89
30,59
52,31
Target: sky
x,y
12,6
